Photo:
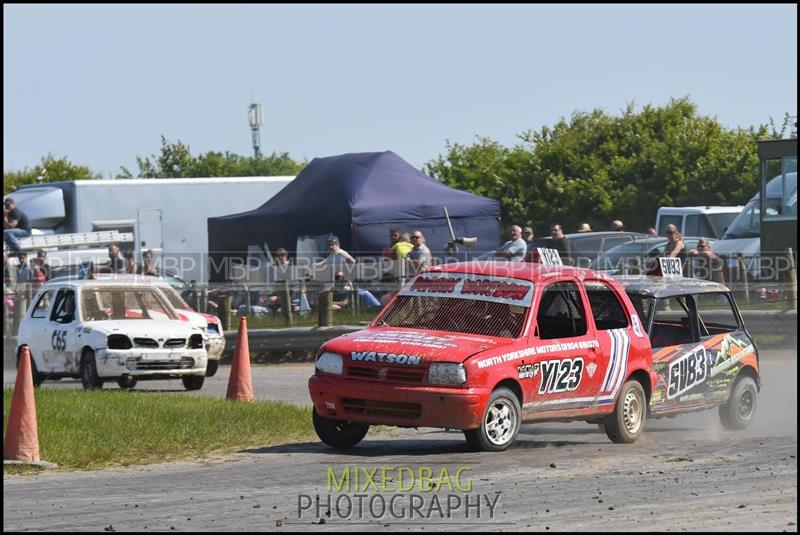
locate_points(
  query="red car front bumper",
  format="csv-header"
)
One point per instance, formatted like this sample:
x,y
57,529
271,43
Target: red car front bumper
x,y
398,405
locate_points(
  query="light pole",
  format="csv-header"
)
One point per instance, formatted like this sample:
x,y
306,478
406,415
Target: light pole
x,y
255,118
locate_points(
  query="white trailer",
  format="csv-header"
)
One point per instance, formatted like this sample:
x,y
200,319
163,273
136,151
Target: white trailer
x,y
169,215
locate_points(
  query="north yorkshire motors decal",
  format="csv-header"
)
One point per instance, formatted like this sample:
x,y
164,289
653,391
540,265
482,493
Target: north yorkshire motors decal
x,y
469,286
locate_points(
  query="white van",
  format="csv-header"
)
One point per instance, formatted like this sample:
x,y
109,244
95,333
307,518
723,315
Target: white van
x,y
705,221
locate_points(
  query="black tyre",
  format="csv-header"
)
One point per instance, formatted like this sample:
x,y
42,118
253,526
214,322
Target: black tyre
x,y
211,368
739,410
89,376
340,434
35,375
193,382
626,423
127,382
499,425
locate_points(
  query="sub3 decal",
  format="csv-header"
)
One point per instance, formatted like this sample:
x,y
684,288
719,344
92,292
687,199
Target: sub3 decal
x,y
560,375
687,372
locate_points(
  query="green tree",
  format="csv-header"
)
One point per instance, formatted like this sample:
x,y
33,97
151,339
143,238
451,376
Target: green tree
x,y
597,167
176,161
51,169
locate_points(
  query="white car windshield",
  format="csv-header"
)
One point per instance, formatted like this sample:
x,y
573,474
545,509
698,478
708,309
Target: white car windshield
x,y
174,298
124,303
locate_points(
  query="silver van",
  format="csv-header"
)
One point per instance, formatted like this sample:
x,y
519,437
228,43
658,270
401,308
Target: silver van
x,y
744,233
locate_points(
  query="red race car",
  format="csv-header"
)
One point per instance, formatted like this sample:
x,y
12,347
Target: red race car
x,y
486,346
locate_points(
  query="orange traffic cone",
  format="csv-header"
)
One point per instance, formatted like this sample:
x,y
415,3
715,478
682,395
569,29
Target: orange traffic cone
x,y
22,435
240,383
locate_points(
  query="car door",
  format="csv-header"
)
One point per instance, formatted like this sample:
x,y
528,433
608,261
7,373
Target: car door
x,y
35,329
566,345
63,329
608,362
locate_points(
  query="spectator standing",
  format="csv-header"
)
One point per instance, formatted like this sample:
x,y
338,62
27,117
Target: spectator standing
x,y
675,246
41,254
148,264
515,248
394,237
8,301
15,224
24,274
652,232
130,264
282,258
617,225
115,261
403,246
37,274
337,256
282,265
527,235
9,270
584,227
557,239
420,256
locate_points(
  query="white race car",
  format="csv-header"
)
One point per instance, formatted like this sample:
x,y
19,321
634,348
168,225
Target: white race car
x,y
107,329
214,339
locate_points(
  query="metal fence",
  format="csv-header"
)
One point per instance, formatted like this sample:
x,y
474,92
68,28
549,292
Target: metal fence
x,y
317,303
265,305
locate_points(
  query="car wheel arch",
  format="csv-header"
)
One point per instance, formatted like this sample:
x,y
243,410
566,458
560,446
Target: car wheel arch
x,y
643,377
749,371
512,385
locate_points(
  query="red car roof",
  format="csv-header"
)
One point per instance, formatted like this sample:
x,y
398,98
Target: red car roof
x,y
516,270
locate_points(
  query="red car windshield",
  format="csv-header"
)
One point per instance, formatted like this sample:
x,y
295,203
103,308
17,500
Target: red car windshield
x,y
464,303
450,314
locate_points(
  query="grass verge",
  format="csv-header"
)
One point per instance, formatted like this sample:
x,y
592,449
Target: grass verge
x,y
82,430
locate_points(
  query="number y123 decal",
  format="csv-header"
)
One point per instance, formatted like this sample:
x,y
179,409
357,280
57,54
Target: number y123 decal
x,y
560,375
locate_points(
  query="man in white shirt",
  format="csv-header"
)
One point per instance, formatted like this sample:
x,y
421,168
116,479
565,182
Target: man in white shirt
x,y
337,256
515,248
419,257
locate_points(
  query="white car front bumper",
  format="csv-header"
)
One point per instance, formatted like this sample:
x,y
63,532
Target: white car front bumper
x,y
215,345
151,362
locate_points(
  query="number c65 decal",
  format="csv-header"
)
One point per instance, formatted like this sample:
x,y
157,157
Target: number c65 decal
x,y
59,340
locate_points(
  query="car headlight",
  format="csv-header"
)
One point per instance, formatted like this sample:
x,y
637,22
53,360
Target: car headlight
x,y
447,373
329,363
118,341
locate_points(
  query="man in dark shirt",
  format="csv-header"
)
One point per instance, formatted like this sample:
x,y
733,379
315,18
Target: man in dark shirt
x,y
341,292
557,242
115,260
15,224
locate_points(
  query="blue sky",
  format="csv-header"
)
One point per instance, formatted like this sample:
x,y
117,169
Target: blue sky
x,y
101,84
